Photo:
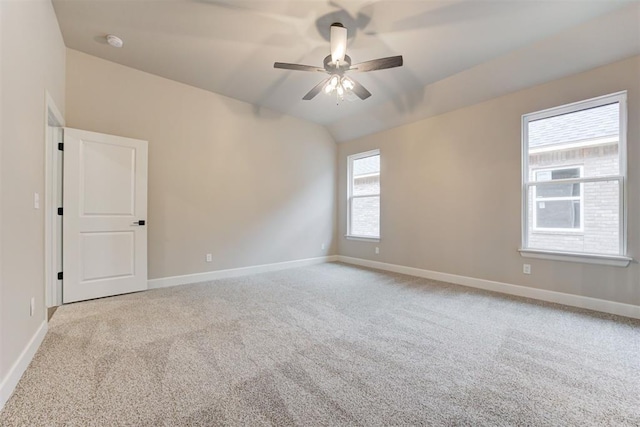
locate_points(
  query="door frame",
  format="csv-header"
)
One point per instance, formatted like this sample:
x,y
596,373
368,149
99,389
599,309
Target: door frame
x,y
52,175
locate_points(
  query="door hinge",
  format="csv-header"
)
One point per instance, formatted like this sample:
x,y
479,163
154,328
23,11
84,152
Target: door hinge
x,y
61,146
60,275
59,211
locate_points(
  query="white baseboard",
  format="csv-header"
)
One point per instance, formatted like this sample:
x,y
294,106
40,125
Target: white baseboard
x,y
235,272
596,304
10,382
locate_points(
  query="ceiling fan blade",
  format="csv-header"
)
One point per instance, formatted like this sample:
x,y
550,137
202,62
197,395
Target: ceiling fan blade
x,y
378,64
297,67
316,90
360,90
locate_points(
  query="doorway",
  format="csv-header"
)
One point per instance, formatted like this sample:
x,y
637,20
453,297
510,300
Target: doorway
x,y
95,213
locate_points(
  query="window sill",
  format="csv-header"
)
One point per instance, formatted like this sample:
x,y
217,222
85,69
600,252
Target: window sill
x,y
613,260
362,238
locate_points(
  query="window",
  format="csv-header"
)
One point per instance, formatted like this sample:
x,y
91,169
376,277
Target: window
x,y
574,172
558,207
364,195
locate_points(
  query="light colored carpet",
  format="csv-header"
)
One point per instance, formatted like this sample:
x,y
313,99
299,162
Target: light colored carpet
x,y
329,345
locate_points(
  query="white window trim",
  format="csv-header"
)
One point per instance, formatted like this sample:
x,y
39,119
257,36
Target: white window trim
x,y
350,197
543,230
362,238
613,260
617,260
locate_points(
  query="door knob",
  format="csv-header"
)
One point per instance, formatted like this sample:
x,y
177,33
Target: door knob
x,y
141,222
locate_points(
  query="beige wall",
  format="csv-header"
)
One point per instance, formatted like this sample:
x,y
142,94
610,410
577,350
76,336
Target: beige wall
x,y
451,191
248,185
32,61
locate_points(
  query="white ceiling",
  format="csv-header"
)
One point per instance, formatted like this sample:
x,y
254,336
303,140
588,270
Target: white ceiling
x,y
229,47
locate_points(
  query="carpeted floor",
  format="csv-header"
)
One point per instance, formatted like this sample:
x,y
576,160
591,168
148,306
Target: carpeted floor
x,y
329,345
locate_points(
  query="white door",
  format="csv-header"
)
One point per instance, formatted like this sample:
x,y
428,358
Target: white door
x,y
104,230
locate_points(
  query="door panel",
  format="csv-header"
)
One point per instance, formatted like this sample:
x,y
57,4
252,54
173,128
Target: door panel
x,y
105,195
118,261
107,174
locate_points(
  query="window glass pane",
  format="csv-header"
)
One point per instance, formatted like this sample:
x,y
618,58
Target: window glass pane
x,y
590,224
366,185
589,137
565,173
558,214
366,166
365,196
558,190
365,216
550,175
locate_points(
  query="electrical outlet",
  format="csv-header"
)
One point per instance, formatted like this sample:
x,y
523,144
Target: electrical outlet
x,y
322,246
209,258
377,250
526,268
36,200
32,306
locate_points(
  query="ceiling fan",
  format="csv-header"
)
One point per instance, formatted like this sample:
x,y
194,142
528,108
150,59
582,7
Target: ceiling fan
x,y
338,64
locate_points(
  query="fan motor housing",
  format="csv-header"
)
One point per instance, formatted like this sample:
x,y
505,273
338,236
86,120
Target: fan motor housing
x,y
331,67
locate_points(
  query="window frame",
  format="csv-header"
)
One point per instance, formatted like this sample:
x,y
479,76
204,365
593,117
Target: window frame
x,y
350,196
535,200
621,260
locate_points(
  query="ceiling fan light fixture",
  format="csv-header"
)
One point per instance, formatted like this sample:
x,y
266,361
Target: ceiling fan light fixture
x,y
331,84
337,64
335,84
347,83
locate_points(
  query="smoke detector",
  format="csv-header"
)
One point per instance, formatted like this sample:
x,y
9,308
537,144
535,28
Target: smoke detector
x,y
114,41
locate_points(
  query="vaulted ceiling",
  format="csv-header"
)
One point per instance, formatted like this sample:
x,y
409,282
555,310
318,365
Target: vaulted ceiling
x,y
455,52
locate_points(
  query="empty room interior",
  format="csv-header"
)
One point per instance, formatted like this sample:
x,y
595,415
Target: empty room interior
x,y
285,212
